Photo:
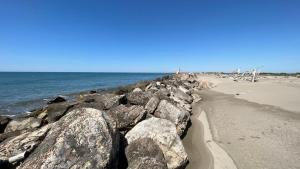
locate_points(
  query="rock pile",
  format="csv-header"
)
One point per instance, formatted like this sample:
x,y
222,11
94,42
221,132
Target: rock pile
x,y
146,121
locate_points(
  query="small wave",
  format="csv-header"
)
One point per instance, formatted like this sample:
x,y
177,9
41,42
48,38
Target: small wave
x,y
8,115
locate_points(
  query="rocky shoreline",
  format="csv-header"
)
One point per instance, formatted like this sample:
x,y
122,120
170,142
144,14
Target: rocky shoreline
x,y
137,126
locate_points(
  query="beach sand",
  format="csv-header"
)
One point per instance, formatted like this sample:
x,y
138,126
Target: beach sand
x,y
194,143
258,128
278,91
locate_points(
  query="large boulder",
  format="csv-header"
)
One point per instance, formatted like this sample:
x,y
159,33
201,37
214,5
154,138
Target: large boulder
x,y
7,135
178,116
127,116
151,87
84,138
181,95
110,100
56,111
196,98
163,93
152,104
138,98
3,123
163,133
103,101
181,103
13,148
144,154
185,90
23,124
185,106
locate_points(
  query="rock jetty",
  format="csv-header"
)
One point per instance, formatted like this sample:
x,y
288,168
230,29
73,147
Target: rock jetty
x,y
138,127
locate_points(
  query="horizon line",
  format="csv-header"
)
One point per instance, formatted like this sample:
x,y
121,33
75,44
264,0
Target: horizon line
x,y
296,72
75,72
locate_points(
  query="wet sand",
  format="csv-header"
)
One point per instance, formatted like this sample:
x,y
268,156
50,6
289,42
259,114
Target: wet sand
x,y
254,135
203,151
198,153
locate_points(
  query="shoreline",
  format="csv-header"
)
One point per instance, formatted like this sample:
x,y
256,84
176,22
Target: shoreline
x,y
205,153
200,155
42,102
24,92
221,159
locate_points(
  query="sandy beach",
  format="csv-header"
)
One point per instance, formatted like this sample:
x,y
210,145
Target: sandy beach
x,y
255,124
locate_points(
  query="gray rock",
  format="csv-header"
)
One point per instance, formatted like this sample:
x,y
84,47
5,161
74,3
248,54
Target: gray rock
x,y
144,154
152,104
195,90
93,91
187,107
42,115
181,95
148,87
89,100
137,90
182,76
149,116
103,101
111,100
180,103
3,123
151,87
178,116
56,111
185,90
90,103
196,98
163,133
138,98
189,84
25,142
84,138
7,135
170,87
58,99
163,93
23,124
127,116
186,77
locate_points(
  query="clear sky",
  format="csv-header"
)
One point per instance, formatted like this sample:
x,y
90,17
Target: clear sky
x,y
149,35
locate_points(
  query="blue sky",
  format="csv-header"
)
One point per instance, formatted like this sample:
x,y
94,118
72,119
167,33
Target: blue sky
x,y
149,35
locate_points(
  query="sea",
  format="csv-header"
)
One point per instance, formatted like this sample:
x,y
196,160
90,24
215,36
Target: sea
x,y
21,92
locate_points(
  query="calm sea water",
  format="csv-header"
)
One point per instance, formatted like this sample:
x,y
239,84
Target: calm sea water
x,y
23,91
